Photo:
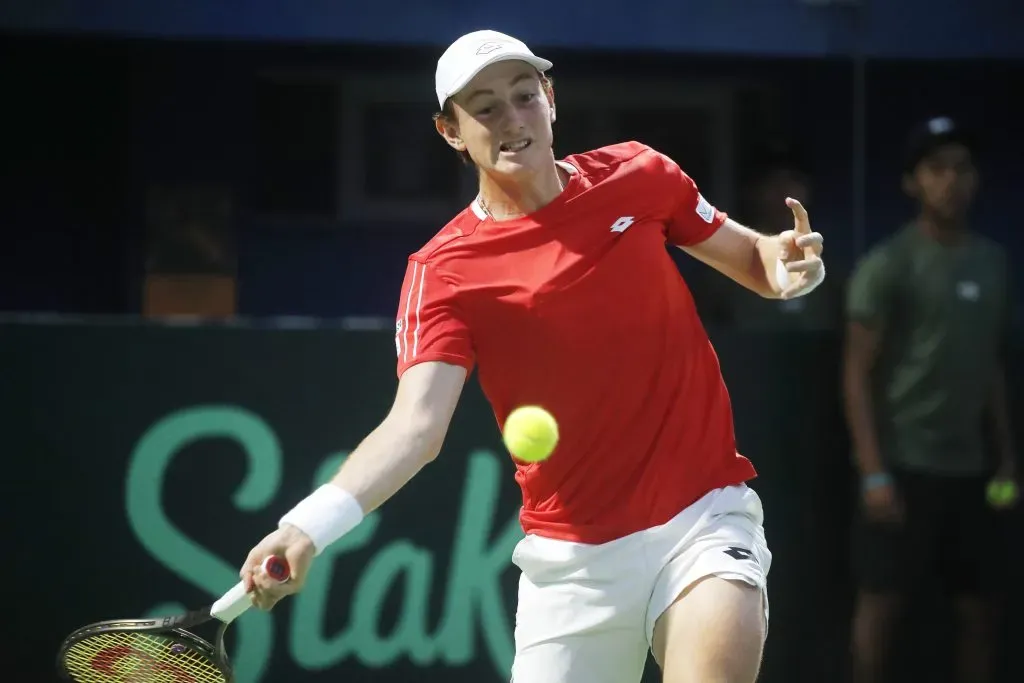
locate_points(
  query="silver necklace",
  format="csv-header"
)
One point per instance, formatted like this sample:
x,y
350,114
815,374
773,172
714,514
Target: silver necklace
x,y
487,211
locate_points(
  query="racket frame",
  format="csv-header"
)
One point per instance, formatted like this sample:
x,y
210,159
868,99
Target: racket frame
x,y
176,628
173,628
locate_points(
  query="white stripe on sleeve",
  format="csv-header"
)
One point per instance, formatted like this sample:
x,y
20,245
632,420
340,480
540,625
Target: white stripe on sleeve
x,y
419,305
401,339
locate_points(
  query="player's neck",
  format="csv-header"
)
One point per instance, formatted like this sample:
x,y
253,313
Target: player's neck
x,y
504,198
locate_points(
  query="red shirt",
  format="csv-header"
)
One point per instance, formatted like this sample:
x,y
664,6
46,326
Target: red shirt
x,y
579,308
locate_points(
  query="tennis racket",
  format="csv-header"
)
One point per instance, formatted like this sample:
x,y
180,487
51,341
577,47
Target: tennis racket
x,y
160,650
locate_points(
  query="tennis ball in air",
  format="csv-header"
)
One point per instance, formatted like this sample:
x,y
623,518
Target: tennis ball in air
x,y
1001,492
530,433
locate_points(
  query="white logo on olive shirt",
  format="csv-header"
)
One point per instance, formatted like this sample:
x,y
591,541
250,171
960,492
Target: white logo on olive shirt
x,y
968,291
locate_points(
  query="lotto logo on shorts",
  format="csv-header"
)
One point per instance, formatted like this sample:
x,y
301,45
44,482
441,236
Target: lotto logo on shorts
x,y
739,553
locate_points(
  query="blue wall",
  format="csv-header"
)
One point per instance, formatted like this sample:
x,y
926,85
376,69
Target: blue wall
x,y
907,28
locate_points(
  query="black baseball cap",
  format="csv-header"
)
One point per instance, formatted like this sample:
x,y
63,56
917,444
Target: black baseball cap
x,y
929,135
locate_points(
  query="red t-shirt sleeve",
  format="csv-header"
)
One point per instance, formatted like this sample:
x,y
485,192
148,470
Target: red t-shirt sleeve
x,y
691,219
430,326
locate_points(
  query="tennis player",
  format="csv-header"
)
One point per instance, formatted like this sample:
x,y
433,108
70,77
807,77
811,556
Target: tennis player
x,y
555,285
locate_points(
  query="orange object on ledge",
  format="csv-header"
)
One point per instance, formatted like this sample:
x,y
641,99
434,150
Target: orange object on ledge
x,y
181,294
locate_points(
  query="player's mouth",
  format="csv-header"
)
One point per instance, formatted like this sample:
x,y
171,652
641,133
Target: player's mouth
x,y
515,146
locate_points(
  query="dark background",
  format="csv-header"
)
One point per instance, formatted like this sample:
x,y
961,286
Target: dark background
x,y
325,156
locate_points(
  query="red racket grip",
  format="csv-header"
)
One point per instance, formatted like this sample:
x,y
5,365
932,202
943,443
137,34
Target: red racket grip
x,y
237,600
277,568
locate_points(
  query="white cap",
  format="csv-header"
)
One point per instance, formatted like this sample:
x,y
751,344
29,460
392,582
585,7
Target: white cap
x,y
468,56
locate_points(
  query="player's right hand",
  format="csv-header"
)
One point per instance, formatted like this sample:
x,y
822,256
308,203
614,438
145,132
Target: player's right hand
x,y
882,504
287,542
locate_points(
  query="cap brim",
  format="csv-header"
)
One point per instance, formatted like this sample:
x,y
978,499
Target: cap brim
x,y
536,62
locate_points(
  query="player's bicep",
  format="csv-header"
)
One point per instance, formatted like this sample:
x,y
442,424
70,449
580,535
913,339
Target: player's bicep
x,y
427,395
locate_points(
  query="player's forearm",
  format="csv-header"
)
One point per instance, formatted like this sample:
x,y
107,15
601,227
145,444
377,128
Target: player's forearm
x,y
408,438
744,256
763,271
386,460
382,464
860,419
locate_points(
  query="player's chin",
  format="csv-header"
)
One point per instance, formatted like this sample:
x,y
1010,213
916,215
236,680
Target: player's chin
x,y
518,164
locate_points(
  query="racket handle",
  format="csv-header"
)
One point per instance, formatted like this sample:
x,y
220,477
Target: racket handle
x,y
236,601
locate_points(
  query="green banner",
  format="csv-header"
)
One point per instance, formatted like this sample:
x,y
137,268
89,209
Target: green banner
x,y
145,461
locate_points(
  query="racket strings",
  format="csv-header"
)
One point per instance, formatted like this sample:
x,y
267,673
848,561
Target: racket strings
x,y
137,657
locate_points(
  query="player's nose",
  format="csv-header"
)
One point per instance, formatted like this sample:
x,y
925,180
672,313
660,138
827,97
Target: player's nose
x,y
513,122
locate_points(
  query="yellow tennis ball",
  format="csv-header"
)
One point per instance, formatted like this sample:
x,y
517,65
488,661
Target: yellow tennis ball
x,y
530,433
1002,492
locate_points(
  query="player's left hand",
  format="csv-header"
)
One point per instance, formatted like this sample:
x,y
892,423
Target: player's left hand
x,y
800,255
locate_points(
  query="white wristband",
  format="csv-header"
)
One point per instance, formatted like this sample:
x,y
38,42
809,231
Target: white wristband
x,y
782,279
781,275
325,515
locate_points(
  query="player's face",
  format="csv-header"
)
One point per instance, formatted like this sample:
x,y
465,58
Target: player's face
x,y
945,181
503,119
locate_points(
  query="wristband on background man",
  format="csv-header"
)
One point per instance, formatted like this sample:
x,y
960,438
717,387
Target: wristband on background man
x,y
875,480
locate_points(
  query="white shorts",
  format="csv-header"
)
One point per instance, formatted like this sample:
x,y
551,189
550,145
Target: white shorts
x,y
586,613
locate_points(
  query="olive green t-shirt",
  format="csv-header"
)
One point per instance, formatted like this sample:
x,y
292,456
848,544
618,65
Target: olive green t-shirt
x,y
944,315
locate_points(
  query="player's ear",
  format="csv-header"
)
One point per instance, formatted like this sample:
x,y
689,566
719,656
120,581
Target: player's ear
x,y
449,130
549,92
